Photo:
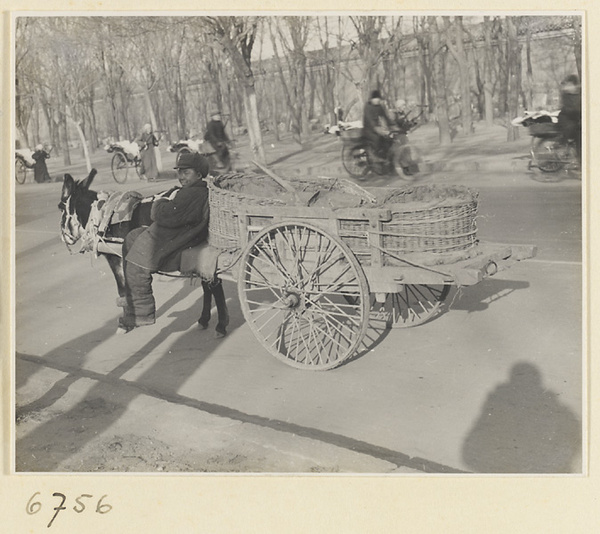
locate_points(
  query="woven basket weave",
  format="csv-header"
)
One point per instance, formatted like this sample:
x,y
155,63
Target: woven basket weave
x,y
231,193
225,204
429,224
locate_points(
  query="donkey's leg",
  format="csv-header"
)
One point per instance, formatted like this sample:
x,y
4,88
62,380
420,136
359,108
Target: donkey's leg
x,y
219,294
116,266
206,305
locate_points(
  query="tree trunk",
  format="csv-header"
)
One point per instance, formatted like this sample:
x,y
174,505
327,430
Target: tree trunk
x,y
439,81
254,132
488,83
513,62
457,49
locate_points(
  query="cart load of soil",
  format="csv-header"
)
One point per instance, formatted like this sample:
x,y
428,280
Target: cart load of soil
x,y
234,194
424,196
318,192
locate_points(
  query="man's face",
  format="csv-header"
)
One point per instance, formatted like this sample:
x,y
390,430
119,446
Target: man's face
x,y
216,117
188,176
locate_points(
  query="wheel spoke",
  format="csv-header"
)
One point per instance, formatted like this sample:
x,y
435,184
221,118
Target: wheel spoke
x,y
323,286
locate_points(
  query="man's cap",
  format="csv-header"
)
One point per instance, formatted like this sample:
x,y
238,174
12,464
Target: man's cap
x,y
375,94
194,161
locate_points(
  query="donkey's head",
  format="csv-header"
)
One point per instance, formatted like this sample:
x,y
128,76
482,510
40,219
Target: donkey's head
x,y
75,204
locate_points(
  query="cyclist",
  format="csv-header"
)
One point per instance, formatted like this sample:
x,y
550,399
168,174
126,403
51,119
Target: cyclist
x,y
569,118
376,126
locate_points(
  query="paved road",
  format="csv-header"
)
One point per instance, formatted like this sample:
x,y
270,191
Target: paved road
x,y
492,385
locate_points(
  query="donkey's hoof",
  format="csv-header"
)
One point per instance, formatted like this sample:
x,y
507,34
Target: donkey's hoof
x,y
203,324
122,330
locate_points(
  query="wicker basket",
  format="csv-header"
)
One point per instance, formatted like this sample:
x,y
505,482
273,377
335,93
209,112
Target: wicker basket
x,y
226,202
429,224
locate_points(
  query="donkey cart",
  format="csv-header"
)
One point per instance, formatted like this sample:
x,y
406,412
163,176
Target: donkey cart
x,y
315,263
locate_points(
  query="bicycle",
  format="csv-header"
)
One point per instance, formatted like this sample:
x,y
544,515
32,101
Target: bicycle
x,y
358,157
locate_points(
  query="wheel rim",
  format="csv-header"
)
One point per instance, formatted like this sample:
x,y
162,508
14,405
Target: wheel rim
x,y
547,156
119,168
304,295
414,305
20,172
355,161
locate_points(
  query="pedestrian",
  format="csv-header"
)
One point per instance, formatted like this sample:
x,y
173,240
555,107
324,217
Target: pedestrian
x,y
148,143
40,170
217,137
180,221
376,125
569,118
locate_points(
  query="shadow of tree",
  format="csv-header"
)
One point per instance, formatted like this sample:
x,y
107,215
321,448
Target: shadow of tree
x,y
524,428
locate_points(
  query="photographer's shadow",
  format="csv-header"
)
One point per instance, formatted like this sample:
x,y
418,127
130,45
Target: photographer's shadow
x,y
524,428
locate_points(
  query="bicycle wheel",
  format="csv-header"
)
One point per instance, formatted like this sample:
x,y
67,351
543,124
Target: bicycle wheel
x,y
119,167
547,155
405,162
20,171
355,160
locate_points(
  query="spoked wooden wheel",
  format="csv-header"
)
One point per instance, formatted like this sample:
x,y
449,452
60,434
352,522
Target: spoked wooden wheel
x,y
119,167
414,305
304,295
20,171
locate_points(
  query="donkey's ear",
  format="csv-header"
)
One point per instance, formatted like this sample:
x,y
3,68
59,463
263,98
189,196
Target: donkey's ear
x,y
67,187
88,181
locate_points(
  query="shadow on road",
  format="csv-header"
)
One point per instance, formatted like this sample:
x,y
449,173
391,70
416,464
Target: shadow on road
x,y
524,428
50,444
484,294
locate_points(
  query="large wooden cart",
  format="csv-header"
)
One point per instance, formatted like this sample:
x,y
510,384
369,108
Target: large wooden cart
x,y
309,278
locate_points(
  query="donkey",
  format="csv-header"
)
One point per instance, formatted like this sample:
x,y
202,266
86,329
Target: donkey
x,y
77,203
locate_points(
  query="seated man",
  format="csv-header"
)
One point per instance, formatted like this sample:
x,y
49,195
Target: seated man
x,y
217,137
376,125
179,222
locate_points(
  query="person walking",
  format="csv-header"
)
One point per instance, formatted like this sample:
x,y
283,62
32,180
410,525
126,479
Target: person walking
x,y
180,221
148,143
40,170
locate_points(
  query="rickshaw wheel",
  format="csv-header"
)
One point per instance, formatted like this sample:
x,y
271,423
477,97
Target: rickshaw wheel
x,y
304,295
414,305
119,167
20,171
138,167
